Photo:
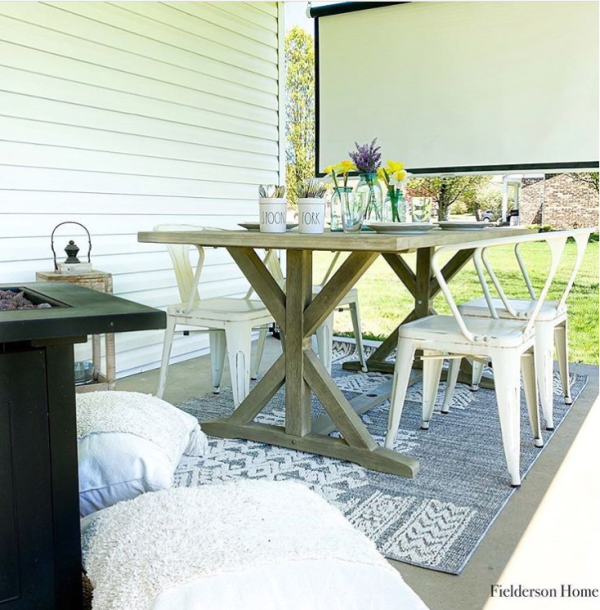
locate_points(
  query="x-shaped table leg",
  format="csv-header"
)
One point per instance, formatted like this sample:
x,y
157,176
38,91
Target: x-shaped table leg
x,y
301,371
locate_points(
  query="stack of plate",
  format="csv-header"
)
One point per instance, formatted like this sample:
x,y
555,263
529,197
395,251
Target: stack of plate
x,y
462,225
401,227
255,226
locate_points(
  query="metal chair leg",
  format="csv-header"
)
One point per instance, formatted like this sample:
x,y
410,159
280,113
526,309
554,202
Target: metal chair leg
x,y
166,355
507,377
260,348
404,361
218,348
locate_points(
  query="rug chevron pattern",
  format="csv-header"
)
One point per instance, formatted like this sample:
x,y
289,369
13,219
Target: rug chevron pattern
x,y
434,521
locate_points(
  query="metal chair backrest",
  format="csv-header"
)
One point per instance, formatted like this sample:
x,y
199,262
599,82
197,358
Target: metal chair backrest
x,y
556,242
581,237
187,279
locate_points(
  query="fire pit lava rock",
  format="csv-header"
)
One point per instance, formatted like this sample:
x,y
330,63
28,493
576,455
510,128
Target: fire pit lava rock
x,y
12,300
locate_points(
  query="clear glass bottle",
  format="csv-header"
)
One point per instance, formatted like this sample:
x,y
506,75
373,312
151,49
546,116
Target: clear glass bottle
x,y
353,211
394,206
337,206
373,196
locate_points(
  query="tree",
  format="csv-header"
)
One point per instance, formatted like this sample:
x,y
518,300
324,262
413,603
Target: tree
x,y
489,197
447,190
299,109
589,178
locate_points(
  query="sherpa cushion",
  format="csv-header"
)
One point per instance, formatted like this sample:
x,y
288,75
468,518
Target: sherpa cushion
x,y
130,443
250,544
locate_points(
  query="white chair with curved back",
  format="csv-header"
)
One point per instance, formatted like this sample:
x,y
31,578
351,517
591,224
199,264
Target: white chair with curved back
x,y
550,328
228,320
508,343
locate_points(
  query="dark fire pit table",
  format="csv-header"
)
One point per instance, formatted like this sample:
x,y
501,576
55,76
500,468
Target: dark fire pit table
x,y
40,548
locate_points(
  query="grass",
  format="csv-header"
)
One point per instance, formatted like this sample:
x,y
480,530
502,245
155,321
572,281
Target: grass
x,y
384,301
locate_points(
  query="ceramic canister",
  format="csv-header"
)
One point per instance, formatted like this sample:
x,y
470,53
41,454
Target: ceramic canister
x,y
273,214
311,215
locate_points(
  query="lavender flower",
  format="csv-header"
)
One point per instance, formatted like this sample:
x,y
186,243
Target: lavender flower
x,y
367,157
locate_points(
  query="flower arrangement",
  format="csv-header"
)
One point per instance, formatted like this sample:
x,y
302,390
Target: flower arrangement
x,y
367,160
311,189
366,157
342,196
343,168
393,175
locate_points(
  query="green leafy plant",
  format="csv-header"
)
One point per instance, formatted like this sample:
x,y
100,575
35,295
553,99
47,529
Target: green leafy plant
x,y
540,228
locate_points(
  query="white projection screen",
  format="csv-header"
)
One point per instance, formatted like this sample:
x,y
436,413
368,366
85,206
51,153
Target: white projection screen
x,y
458,87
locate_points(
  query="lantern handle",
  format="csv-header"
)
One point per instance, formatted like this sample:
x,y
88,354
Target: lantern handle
x,y
70,222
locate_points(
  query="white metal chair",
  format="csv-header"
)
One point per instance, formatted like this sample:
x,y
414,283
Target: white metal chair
x,y
508,343
324,333
550,328
229,321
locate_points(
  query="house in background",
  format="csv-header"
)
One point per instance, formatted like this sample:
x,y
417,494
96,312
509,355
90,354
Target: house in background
x,y
562,201
123,116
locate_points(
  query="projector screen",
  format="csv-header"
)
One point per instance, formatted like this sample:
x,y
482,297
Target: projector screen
x,y
459,87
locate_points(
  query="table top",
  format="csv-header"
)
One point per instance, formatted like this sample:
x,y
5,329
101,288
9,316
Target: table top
x,y
77,311
328,241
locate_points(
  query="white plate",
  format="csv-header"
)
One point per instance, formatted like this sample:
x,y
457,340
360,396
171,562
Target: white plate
x,y
255,226
457,225
401,227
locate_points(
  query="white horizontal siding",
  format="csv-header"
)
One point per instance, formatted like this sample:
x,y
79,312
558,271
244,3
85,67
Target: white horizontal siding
x,y
122,116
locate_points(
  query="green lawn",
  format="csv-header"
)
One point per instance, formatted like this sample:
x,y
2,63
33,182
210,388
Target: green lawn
x,y
384,301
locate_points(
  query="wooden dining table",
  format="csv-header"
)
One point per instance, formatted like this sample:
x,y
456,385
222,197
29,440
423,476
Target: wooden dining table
x,y
299,316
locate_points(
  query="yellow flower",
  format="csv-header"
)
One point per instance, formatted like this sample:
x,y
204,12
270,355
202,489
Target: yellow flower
x,y
394,166
346,166
381,174
397,178
340,168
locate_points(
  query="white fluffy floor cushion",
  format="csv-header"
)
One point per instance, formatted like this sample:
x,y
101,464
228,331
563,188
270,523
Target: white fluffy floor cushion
x,y
250,544
130,443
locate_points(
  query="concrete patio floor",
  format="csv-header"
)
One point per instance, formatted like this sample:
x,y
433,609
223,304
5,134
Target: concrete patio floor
x,y
519,546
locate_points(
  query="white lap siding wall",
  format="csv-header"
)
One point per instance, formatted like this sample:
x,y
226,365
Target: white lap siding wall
x,y
125,115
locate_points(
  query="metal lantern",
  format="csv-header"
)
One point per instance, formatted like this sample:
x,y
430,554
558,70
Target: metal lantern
x,y
72,265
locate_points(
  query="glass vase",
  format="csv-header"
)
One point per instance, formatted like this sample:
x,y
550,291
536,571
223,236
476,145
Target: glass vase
x,y
353,210
421,209
394,206
337,206
370,188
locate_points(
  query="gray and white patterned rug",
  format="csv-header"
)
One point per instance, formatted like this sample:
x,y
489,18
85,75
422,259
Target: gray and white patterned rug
x,y
436,520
